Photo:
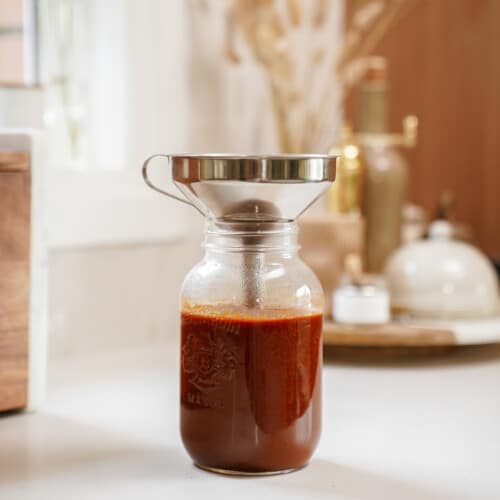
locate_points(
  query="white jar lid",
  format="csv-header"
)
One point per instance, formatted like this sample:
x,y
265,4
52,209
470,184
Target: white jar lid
x,y
361,304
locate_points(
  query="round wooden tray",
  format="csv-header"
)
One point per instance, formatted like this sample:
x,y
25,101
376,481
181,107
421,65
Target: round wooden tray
x,y
418,333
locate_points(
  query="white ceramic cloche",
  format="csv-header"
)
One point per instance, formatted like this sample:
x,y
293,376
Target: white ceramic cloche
x,y
441,278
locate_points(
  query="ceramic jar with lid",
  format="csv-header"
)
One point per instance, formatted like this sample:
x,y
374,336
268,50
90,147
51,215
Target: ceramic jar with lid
x,y
441,278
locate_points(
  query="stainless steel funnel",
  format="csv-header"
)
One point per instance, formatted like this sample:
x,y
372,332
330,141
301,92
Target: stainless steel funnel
x,y
248,188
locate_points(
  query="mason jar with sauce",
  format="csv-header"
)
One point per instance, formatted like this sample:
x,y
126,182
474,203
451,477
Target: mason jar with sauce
x,y
251,352
251,315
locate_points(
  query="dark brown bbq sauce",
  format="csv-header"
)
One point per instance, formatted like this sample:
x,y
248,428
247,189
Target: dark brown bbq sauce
x,y
250,389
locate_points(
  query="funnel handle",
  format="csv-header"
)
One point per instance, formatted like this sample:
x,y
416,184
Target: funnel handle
x,y
147,180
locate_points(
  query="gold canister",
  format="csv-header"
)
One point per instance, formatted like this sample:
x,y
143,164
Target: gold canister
x,y
345,195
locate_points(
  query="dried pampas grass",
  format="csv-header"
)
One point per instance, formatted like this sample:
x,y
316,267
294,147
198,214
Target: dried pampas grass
x,y
290,41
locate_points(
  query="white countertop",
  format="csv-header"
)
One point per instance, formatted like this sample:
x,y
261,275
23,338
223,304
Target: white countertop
x,y
110,430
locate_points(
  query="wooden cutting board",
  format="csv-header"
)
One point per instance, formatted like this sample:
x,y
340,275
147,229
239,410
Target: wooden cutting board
x,y
15,185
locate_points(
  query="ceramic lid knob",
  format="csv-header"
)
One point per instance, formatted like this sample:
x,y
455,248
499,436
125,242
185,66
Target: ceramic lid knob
x,y
441,230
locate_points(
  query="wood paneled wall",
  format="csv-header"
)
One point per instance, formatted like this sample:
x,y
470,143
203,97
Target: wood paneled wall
x,y
444,66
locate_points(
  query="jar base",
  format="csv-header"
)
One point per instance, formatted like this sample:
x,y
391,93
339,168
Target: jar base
x,y
230,472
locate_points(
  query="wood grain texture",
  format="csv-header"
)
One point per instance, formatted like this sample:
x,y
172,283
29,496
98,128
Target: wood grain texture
x,y
14,287
390,335
444,66
14,161
13,369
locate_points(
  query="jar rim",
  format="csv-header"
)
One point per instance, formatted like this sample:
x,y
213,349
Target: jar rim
x,y
250,228
252,236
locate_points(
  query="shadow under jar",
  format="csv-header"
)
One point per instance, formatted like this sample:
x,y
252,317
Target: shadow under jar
x,y
251,351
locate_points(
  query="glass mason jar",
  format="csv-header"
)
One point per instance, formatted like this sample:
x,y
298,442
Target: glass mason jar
x,y
251,351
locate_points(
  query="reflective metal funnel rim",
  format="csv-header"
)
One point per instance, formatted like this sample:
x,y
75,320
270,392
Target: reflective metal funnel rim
x,y
249,187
